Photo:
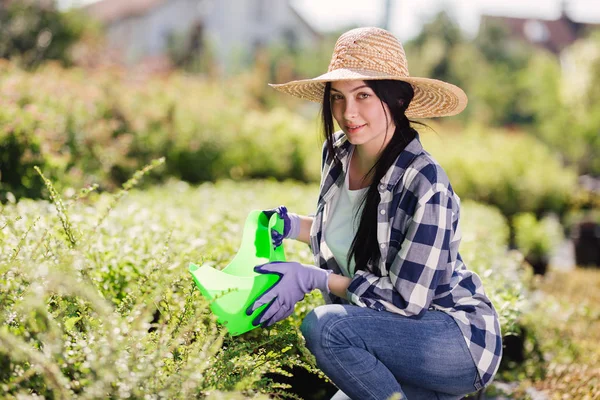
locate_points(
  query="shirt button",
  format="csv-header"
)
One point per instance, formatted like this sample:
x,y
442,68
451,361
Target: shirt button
x,y
382,212
382,187
382,245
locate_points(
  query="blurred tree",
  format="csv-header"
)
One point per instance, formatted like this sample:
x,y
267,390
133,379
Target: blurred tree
x,y
32,31
431,51
488,68
279,62
495,43
192,52
564,99
500,83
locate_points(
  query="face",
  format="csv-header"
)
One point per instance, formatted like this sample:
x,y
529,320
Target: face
x,y
360,114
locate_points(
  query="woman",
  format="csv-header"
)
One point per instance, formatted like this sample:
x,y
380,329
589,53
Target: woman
x,y
404,314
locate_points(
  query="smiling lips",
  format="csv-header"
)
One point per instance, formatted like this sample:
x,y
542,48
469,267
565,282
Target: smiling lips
x,y
354,128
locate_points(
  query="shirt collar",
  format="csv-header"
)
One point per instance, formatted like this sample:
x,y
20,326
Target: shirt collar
x,y
405,158
390,179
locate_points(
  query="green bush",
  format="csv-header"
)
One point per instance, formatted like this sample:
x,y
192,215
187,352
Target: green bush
x,y
536,238
577,216
562,97
484,249
84,128
511,171
97,300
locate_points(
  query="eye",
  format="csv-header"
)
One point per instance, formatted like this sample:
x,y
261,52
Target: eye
x,y
335,97
363,95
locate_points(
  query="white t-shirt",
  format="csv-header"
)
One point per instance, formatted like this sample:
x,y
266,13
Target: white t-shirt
x,y
342,226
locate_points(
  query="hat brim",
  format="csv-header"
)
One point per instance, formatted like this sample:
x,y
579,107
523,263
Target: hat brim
x,y
433,98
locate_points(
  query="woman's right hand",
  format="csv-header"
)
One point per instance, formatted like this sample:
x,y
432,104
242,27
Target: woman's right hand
x,y
295,281
291,225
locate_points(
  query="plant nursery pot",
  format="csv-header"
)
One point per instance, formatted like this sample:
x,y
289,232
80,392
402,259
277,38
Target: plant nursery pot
x,y
586,241
513,350
232,290
539,264
305,384
514,347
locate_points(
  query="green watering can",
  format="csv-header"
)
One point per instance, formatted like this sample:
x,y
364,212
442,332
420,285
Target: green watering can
x,y
239,278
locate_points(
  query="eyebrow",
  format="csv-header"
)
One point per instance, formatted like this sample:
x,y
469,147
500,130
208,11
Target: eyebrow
x,y
353,90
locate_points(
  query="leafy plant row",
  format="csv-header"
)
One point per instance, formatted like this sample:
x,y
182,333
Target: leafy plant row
x,y
83,128
97,301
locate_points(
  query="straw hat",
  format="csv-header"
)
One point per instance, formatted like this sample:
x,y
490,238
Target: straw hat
x,y
374,53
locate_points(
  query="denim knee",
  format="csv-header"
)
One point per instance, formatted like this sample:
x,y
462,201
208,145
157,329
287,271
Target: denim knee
x,y
317,321
310,329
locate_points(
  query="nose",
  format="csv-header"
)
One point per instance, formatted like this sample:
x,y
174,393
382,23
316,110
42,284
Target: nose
x,y
350,110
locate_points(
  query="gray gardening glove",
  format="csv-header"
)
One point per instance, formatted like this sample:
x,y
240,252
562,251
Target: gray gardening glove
x,y
291,225
296,280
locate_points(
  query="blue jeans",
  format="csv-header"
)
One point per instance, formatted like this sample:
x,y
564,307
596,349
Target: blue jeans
x,y
371,354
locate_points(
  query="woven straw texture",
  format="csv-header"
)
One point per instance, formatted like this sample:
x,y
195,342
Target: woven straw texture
x,y
374,53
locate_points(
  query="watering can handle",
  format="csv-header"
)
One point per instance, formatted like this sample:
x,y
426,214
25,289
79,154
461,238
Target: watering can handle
x,y
275,222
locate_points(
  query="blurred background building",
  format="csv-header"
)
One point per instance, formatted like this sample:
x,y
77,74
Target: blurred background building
x,y
230,32
552,35
235,29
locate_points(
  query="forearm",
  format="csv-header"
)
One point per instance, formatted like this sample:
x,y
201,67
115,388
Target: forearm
x,y
305,225
405,297
338,285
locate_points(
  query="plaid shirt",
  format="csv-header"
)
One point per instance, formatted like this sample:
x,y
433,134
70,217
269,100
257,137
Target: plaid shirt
x,y
418,233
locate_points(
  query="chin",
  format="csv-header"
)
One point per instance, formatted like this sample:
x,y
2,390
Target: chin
x,y
354,140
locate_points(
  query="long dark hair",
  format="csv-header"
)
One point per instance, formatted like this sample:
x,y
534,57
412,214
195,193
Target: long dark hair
x,y
397,95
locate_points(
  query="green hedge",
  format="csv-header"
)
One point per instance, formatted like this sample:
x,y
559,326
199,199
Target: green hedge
x,y
512,171
484,249
537,238
83,128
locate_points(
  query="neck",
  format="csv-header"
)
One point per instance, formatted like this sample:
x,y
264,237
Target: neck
x,y
367,153
364,159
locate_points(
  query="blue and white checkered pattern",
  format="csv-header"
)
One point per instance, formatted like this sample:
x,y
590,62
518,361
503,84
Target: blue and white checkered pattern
x,y
420,267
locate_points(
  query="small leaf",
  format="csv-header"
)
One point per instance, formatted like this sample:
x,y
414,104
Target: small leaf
x,y
70,323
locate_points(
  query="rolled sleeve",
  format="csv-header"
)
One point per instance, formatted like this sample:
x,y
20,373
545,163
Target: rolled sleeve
x,y
421,262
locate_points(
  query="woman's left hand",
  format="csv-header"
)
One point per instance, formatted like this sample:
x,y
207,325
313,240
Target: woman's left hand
x,y
287,224
296,280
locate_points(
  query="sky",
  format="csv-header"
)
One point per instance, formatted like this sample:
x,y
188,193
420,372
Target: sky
x,y
407,16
